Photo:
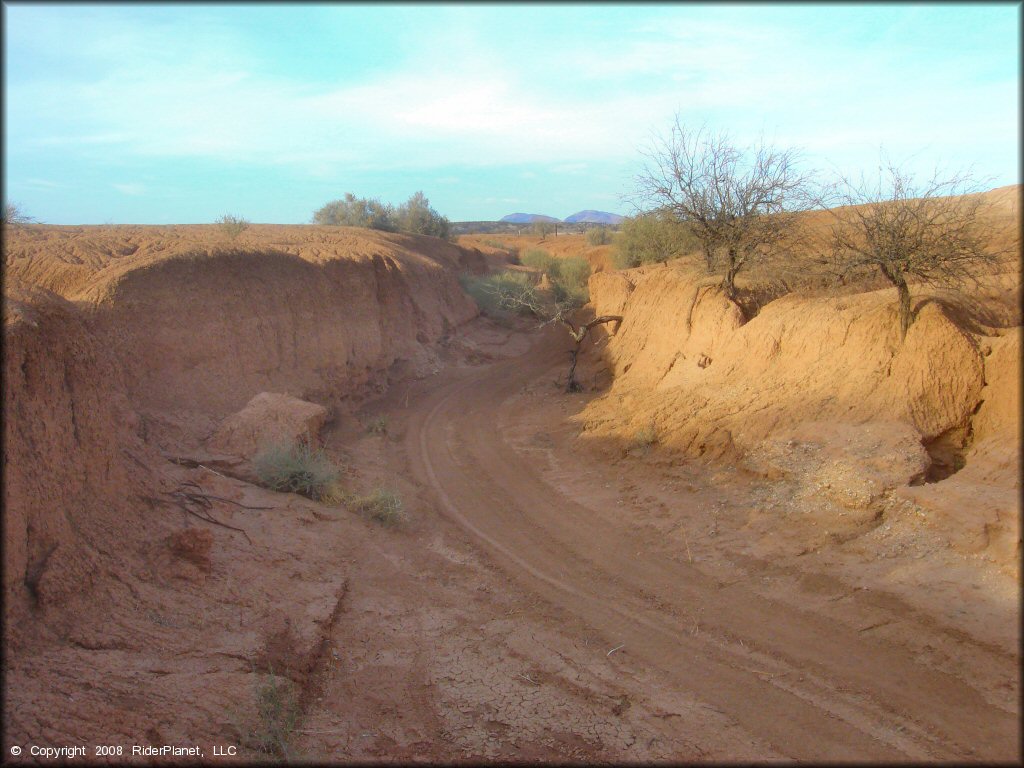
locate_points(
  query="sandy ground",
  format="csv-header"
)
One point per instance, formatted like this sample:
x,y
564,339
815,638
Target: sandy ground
x,y
543,605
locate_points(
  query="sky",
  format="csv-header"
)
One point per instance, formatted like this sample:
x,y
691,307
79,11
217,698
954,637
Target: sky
x,y
181,113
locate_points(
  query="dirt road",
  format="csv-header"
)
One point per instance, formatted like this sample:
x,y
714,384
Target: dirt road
x,y
785,673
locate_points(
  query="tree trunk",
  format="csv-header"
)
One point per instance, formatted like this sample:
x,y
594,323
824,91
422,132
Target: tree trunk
x,y
905,317
709,259
729,284
572,385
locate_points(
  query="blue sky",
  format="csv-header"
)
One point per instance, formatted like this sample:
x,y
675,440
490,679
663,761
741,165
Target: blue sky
x,y
180,113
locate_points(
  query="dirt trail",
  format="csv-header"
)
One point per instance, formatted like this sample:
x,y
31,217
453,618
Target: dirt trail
x,y
793,678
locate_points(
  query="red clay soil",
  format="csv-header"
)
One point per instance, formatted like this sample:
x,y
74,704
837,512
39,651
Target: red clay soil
x,y
790,537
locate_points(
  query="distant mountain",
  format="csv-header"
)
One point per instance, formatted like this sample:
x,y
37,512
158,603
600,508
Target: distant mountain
x,y
594,217
527,218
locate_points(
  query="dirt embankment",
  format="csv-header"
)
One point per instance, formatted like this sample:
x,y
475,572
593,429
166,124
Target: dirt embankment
x,y
203,323
692,374
70,443
161,332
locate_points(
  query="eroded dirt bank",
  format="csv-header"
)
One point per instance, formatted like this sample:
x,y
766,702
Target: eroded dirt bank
x,y
562,588
158,334
830,375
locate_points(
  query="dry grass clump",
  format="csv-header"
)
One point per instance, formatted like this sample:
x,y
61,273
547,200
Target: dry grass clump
x,y
277,716
378,426
643,440
381,505
298,468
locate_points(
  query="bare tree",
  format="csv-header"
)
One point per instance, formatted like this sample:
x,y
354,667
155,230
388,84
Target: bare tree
x,y
523,297
740,204
934,232
14,215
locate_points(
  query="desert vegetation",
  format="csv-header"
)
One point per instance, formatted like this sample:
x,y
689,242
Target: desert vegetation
x,y
414,216
538,258
381,505
599,236
652,237
520,293
544,228
14,215
232,225
937,232
738,202
736,208
276,718
297,468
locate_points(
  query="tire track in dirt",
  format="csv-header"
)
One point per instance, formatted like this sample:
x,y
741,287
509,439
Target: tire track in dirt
x,y
827,695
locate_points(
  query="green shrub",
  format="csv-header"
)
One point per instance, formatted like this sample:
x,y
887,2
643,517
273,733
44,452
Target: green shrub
x,y
569,285
599,236
575,271
652,237
538,258
381,505
414,216
504,293
232,226
297,468
417,217
352,211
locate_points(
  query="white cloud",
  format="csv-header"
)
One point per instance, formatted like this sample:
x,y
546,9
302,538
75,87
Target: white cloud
x,y
42,184
133,189
165,91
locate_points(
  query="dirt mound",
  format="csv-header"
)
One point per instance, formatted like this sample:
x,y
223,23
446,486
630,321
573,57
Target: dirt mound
x,y
839,472
268,419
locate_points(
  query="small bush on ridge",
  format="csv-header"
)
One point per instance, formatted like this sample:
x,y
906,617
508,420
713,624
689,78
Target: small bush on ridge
x,y
232,226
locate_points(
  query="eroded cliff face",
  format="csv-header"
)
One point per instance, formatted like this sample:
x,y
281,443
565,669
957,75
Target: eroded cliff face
x,y
688,369
685,359
71,482
162,332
